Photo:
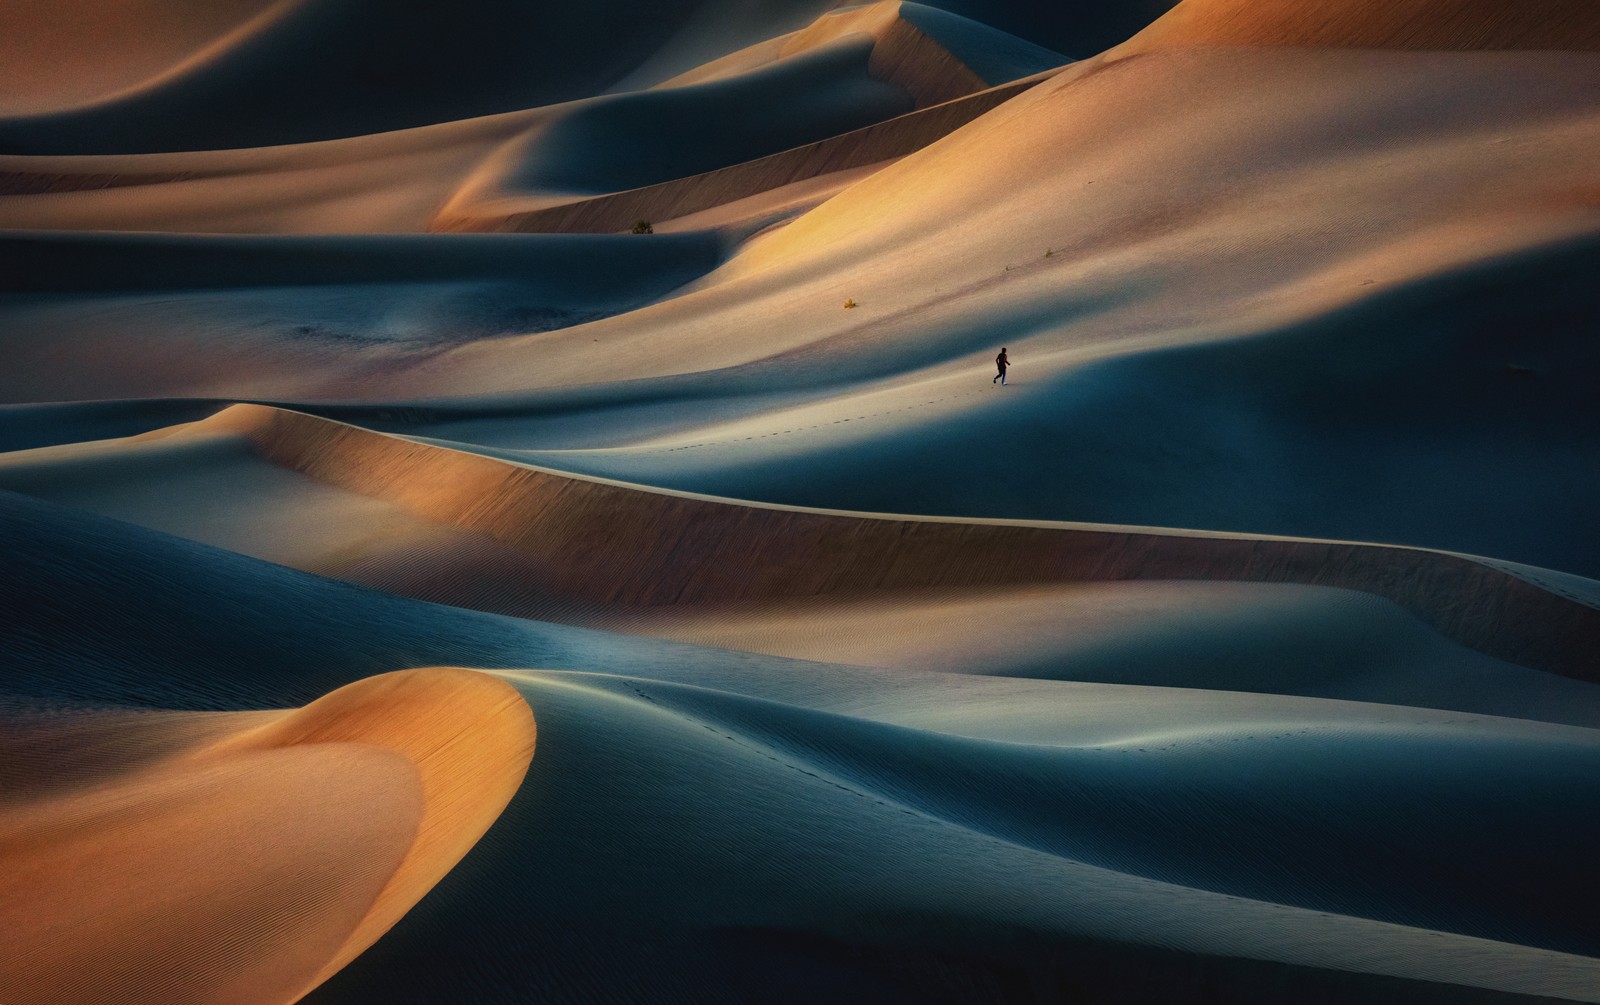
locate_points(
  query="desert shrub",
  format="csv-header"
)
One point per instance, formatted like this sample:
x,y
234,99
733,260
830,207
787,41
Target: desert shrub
x,y
643,227
849,304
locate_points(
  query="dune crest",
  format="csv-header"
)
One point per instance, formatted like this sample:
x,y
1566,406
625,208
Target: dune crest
x,y
608,546
304,835
1377,24
945,93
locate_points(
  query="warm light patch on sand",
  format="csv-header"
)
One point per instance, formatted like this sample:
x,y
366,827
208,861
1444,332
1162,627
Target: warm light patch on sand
x,y
1379,24
244,857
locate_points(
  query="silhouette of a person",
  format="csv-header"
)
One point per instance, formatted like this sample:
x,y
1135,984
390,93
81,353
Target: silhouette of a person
x,y
1001,362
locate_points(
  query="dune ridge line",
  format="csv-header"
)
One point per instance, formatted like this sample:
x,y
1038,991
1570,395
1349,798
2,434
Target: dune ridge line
x,y
625,546
328,821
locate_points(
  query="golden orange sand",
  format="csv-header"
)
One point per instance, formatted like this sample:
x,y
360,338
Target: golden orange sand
x,y
60,55
1378,24
245,857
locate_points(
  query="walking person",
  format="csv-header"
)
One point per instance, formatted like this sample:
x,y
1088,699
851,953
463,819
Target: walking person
x,y
1001,362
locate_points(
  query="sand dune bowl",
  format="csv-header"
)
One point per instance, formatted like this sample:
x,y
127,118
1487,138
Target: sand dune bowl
x,y
245,856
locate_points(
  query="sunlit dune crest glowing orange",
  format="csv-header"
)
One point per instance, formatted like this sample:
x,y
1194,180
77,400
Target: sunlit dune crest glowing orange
x,y
246,856
1379,24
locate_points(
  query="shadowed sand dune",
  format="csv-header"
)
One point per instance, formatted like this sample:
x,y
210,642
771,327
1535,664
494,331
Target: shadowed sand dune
x,y
246,856
198,315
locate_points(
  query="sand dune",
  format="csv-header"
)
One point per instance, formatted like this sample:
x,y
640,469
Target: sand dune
x,y
389,182
484,204
1240,648
955,804
333,68
57,56
598,545
1378,24
247,856
788,110
326,316
1319,226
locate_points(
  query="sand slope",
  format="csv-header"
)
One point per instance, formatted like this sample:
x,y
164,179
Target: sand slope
x,y
257,854
1370,24
1241,648
966,837
588,544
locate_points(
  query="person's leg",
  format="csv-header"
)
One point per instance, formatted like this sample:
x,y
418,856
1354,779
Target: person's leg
x,y
1002,378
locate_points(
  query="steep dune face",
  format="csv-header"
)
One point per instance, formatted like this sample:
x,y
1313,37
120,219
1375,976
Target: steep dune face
x,y
1378,24
302,835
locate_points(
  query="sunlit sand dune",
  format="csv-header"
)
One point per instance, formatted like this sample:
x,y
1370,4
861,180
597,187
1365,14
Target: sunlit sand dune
x,y
243,857
375,378
1378,24
589,544
1005,825
389,182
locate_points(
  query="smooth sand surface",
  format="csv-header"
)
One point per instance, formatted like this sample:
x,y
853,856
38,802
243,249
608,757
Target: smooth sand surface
x,y
1376,24
244,857
57,56
1241,648
973,812
556,542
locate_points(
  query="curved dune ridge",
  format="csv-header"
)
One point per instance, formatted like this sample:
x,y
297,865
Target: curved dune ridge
x,y
596,545
335,68
797,86
242,856
1378,24
1004,825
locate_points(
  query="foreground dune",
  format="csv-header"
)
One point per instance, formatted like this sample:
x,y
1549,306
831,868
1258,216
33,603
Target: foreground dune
x,y
964,837
243,857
